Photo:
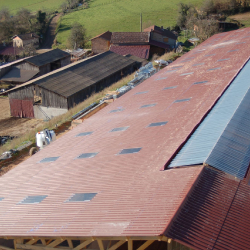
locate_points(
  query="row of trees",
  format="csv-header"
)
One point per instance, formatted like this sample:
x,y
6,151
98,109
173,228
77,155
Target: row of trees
x,y
72,4
23,22
204,22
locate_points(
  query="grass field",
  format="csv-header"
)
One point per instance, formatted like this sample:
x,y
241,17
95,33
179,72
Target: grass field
x,y
32,5
121,15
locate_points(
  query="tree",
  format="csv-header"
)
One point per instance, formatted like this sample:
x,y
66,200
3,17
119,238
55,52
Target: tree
x,y
77,36
4,14
183,12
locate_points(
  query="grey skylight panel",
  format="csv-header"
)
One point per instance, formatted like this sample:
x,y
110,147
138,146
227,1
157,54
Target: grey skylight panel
x,y
225,59
116,110
197,149
87,155
81,197
213,69
33,199
171,87
233,50
129,151
157,124
240,42
197,64
210,55
161,78
140,93
185,74
148,105
119,129
201,82
177,67
183,100
85,134
49,159
1,198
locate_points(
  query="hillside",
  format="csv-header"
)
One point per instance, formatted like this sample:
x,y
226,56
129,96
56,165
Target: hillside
x,y
121,15
32,5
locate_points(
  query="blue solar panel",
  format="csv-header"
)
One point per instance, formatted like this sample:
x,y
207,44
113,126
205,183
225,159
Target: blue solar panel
x,y
1,198
172,87
116,110
200,82
213,69
183,100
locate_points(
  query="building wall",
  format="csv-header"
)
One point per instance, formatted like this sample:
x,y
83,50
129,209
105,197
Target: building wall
x,y
21,102
51,99
65,61
44,113
44,69
99,86
156,51
27,66
163,39
17,42
99,45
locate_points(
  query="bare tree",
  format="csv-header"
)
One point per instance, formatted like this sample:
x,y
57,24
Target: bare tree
x,y
77,36
4,14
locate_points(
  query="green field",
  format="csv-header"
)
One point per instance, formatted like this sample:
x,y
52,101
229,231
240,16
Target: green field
x,y
121,15
32,5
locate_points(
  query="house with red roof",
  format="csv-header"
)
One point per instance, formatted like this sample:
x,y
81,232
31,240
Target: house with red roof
x,y
165,166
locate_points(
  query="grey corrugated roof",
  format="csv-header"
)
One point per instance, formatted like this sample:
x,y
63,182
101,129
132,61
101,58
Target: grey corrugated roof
x,y
47,57
85,73
19,75
214,132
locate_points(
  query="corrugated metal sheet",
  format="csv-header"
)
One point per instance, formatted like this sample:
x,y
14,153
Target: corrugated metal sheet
x,y
198,147
47,57
231,153
141,51
133,197
216,214
21,108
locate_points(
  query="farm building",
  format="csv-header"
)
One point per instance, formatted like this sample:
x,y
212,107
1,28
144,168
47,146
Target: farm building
x,y
35,66
165,166
55,93
26,39
154,40
101,43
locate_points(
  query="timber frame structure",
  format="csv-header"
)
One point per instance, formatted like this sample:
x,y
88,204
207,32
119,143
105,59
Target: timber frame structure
x,y
101,243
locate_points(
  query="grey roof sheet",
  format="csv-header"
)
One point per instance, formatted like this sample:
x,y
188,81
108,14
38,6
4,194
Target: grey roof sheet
x,y
85,73
47,57
19,75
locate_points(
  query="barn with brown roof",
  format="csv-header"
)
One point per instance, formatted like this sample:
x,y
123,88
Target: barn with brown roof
x,y
55,93
101,43
165,166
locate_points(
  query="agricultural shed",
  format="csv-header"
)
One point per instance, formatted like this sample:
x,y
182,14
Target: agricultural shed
x,y
101,43
57,92
36,66
107,184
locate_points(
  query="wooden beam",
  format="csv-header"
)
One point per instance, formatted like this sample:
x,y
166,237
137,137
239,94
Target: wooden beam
x,y
70,243
55,243
5,248
118,244
82,245
43,242
145,245
38,247
100,244
31,242
130,245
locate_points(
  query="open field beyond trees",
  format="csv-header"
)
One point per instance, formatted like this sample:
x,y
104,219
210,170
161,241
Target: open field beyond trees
x,y
121,15
32,5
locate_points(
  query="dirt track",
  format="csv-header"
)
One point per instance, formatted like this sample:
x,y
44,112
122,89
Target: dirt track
x,y
13,126
50,33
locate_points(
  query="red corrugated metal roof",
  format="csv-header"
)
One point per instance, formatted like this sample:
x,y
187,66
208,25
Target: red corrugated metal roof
x,y
141,51
216,214
130,37
133,196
